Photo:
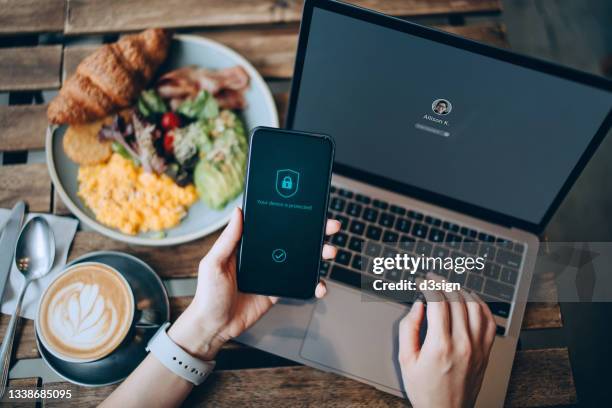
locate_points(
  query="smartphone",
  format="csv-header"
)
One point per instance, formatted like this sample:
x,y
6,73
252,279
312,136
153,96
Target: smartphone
x,y
285,211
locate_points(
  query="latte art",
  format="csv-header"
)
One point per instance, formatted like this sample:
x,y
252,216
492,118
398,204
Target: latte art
x,y
85,313
80,316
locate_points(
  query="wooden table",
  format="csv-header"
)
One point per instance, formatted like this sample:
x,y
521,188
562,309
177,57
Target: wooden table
x,y
43,41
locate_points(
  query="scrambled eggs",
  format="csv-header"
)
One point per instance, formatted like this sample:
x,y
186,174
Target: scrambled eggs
x,y
123,196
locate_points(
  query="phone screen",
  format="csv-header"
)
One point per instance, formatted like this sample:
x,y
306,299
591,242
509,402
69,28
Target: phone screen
x,y
285,207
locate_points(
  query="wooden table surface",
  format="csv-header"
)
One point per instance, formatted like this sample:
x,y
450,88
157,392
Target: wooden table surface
x,y
42,41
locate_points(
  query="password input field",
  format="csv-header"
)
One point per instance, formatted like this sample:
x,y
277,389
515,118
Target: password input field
x,y
430,129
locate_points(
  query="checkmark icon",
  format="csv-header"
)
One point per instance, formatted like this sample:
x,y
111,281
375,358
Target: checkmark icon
x,y
279,255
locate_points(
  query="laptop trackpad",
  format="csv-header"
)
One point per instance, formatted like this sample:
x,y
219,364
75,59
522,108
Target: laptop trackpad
x,y
356,336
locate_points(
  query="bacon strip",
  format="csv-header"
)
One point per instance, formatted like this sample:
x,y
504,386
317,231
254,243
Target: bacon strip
x,y
227,85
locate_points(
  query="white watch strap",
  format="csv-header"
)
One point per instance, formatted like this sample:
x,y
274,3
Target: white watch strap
x,y
178,360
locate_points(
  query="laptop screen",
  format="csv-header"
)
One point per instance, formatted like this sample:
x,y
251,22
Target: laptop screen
x,y
442,119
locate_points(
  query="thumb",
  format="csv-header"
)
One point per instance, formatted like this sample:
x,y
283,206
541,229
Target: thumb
x,y
227,242
409,328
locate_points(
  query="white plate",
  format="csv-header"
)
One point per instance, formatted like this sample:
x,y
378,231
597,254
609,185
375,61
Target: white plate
x,y
201,220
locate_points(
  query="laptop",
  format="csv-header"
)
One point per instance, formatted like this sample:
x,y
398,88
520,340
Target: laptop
x,y
443,146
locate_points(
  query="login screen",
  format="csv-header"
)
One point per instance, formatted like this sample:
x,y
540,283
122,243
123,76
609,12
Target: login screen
x,y
428,115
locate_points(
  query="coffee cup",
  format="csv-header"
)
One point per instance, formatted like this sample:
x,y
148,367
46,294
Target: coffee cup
x,y
85,313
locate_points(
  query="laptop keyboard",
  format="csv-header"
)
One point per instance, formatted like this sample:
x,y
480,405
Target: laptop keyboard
x,y
372,228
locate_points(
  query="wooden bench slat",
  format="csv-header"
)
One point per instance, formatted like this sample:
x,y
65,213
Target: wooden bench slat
x,y
73,56
81,396
178,305
30,68
282,103
272,50
488,33
59,208
24,383
408,8
169,262
23,127
540,315
28,182
95,16
31,16
539,377
25,340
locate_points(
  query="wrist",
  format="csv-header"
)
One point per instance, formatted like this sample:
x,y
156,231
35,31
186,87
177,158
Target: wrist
x,y
194,337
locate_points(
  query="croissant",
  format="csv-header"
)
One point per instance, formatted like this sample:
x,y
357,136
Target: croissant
x,y
110,79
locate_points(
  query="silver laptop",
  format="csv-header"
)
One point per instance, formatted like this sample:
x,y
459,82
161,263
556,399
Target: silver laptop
x,y
443,146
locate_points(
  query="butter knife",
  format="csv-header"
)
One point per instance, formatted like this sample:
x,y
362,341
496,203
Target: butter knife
x,y
8,240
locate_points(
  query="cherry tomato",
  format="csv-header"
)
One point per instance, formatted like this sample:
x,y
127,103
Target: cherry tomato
x,y
169,143
170,120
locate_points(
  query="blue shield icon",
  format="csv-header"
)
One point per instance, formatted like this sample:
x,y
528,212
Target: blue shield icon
x,y
287,182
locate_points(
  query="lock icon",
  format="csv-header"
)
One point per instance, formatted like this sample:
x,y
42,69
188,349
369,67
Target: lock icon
x,y
287,183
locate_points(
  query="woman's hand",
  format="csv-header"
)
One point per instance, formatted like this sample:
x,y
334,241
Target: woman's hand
x,y
217,313
220,312
448,369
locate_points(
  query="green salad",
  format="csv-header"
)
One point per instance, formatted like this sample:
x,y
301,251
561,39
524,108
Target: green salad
x,y
197,142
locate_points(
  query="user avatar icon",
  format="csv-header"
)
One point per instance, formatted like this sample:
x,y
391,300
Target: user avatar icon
x,y
287,182
441,107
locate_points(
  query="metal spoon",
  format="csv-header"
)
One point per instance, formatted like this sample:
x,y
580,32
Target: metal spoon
x,y
34,255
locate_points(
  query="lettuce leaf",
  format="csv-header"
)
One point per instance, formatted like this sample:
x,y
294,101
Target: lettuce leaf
x,y
150,103
202,107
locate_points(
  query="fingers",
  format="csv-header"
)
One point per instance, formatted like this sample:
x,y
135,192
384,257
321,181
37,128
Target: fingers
x,y
489,325
409,328
438,315
321,290
459,317
329,252
485,308
230,237
482,324
332,227
458,312
474,313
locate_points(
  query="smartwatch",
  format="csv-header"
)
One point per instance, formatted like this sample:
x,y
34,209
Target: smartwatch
x,y
177,360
